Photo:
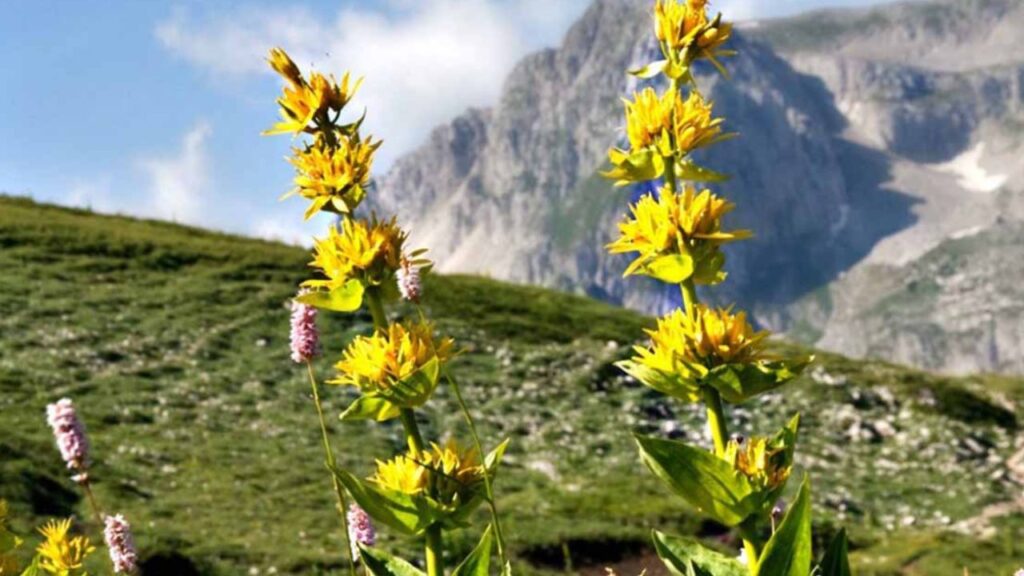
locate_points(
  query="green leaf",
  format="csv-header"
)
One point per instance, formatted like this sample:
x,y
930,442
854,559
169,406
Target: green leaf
x,y
687,170
674,385
479,560
416,389
671,268
706,481
637,167
740,382
405,513
650,70
788,552
347,298
835,562
380,563
708,270
493,458
370,407
686,557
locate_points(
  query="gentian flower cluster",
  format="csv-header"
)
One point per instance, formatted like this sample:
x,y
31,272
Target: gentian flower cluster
x,y
363,264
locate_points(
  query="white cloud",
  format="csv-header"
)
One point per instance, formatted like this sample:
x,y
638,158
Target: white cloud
x,y
425,62
178,182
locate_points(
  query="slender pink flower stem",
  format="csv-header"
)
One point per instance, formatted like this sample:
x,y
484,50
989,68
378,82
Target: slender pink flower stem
x,y
329,456
92,501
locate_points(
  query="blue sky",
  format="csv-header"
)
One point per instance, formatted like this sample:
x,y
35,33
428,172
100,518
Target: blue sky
x,y
155,108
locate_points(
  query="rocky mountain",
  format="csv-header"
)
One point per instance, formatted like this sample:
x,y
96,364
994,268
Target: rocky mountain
x,y
873,142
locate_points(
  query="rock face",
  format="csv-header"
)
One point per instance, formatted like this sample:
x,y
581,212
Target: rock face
x,y
936,92
865,147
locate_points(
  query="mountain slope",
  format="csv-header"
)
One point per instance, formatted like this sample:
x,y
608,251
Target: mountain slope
x,y
514,192
173,343
938,90
849,157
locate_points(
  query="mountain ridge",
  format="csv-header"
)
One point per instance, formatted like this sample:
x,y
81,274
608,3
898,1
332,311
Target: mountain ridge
x,y
843,162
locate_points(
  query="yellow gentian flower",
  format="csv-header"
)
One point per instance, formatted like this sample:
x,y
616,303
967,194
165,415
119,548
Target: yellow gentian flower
x,y
765,463
402,474
388,357
692,345
450,473
370,251
334,177
61,554
677,24
304,102
674,223
669,124
683,28
283,64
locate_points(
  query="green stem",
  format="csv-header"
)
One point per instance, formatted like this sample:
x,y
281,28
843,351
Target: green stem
x,y
689,292
716,418
435,562
87,488
488,490
434,545
670,174
329,456
412,430
373,302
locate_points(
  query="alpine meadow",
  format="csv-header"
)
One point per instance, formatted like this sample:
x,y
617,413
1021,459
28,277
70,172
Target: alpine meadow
x,y
181,401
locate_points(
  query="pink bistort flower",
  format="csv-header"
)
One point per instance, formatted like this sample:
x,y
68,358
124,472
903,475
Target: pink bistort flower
x,y
118,535
360,530
69,432
305,340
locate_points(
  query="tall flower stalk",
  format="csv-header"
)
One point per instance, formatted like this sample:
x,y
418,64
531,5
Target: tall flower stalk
x,y
364,263
60,553
702,354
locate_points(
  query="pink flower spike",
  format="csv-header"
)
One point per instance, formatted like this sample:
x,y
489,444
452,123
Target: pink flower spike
x,y
118,535
69,432
360,530
305,340
409,282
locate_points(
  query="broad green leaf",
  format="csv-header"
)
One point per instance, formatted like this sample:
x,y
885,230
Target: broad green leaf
x,y
370,407
740,382
836,562
380,563
689,171
673,385
708,270
650,70
405,513
347,298
687,557
670,268
416,389
788,552
479,560
706,481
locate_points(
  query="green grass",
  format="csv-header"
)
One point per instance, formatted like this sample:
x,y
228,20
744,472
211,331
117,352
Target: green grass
x,y
173,343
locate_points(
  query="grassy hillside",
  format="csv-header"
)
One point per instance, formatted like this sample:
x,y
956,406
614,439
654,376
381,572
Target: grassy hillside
x,y
173,343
